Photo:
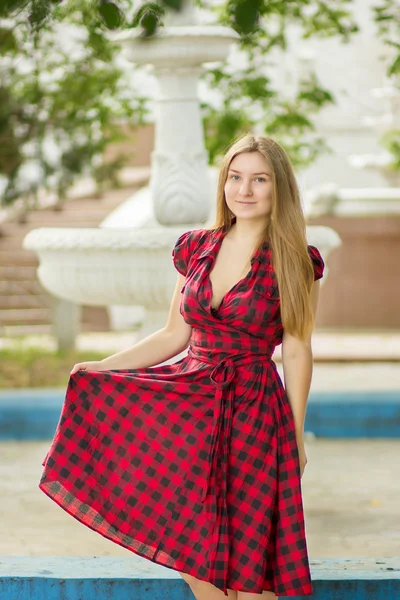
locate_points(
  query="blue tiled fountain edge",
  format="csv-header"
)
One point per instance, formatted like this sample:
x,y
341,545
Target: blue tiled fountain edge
x,y
134,578
32,414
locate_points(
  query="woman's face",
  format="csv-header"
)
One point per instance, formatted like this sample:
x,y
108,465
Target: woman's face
x,y
249,187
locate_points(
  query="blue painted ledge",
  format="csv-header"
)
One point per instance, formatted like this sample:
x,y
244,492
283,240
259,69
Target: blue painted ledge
x,y
136,578
32,414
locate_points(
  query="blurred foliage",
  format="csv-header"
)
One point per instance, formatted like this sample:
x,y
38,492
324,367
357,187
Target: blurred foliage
x,y
63,98
387,17
391,142
77,98
22,366
250,101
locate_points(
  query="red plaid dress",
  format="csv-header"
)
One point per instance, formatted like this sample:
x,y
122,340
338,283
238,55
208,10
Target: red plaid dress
x,y
194,465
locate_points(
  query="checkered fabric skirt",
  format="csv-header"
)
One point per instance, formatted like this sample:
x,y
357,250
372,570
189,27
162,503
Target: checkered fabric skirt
x,y
193,465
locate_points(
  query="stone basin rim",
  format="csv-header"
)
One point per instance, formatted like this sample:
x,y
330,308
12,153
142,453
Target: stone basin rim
x,y
184,31
66,239
76,239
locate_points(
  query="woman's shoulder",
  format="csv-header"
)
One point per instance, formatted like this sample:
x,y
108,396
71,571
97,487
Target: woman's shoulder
x,y
193,237
188,245
317,260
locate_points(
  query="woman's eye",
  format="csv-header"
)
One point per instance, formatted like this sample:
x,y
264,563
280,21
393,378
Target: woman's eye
x,y
237,177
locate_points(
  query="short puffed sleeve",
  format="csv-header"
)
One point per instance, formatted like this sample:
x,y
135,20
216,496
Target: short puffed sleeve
x,y
183,250
318,262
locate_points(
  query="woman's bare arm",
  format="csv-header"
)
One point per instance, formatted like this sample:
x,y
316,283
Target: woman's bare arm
x,y
156,348
297,362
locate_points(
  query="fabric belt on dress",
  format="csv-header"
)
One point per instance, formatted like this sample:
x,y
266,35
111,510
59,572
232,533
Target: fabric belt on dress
x,y
222,377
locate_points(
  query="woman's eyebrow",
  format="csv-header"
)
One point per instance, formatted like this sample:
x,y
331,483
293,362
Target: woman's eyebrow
x,y
262,172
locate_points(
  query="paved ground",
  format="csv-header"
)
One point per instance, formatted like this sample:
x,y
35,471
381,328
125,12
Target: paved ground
x,y
345,360
351,492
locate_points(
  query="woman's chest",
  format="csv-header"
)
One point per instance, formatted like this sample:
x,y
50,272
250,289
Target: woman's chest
x,y
226,273
251,301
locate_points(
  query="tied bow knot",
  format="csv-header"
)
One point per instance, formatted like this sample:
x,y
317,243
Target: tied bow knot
x,y
226,368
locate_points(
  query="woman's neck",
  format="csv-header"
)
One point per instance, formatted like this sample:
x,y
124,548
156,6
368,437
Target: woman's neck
x,y
248,232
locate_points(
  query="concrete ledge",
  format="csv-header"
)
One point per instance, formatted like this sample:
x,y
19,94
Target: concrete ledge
x,y
33,414
86,578
135,578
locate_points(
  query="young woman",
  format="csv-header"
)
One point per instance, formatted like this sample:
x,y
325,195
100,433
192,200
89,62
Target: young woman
x,y
197,465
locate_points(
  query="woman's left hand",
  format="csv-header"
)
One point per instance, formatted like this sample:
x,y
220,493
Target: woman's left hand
x,y
302,454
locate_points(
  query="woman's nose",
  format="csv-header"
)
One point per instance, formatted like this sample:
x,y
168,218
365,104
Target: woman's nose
x,y
245,189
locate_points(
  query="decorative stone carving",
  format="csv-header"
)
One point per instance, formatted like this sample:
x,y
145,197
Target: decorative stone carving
x,y
180,187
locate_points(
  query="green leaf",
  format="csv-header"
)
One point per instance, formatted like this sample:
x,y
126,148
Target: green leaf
x,y
394,68
221,128
174,4
110,14
391,141
148,18
246,14
40,11
8,42
8,8
312,93
149,24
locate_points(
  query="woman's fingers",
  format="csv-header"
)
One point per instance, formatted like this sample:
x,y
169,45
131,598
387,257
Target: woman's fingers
x,y
88,366
78,367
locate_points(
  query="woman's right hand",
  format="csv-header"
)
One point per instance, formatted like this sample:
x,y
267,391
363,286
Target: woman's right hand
x,y
93,365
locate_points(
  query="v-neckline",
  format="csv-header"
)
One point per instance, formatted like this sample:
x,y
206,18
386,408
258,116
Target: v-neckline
x,y
216,249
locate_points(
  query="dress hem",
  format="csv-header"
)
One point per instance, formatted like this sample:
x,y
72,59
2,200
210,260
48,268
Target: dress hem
x,y
64,506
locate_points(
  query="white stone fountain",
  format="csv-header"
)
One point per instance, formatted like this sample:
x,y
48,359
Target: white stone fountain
x,y
131,265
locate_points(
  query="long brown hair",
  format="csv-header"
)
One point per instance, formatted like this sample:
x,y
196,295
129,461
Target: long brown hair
x,y
285,232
